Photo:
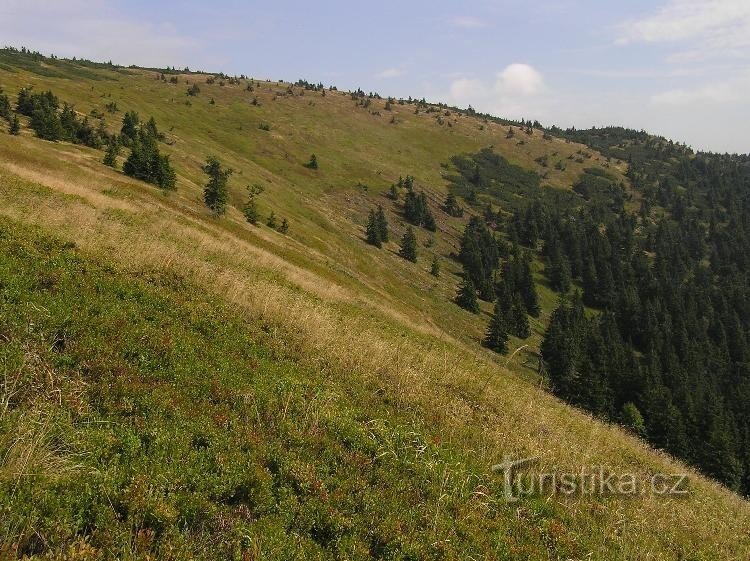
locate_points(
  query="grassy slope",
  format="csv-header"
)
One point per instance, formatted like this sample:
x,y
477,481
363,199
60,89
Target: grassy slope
x,y
361,317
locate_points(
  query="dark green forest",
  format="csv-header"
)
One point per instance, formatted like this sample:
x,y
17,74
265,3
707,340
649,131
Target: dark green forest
x,y
652,326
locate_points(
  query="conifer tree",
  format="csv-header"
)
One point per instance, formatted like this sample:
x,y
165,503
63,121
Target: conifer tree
x,y
632,418
428,220
4,106
313,163
413,208
467,295
129,129
519,322
151,129
250,209
372,230
496,337
15,125
409,245
146,163
110,156
559,272
435,267
528,288
452,207
284,226
271,223
215,192
382,224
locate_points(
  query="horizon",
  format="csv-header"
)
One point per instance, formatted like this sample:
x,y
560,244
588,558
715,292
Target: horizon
x,y
680,69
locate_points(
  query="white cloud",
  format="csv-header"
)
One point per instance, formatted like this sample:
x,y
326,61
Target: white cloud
x,y
390,73
515,92
466,22
713,28
519,79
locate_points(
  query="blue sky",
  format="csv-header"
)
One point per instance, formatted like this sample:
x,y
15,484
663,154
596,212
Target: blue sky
x,y
680,68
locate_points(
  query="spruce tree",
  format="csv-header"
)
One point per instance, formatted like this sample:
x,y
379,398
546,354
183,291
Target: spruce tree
x,y
15,126
372,230
4,106
435,267
284,226
496,337
313,162
467,295
452,207
428,220
559,272
215,192
110,156
129,129
382,224
250,209
271,223
519,321
409,245
46,123
413,208
146,163
632,418
527,287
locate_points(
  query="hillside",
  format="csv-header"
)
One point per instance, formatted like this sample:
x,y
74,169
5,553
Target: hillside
x,y
183,385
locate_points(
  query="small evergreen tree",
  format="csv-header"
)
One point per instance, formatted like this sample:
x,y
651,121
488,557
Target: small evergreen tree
x,y
129,129
382,224
146,163
467,295
428,220
215,192
372,231
150,129
409,245
271,223
496,337
632,418
452,207
46,123
518,320
284,227
113,150
15,125
313,163
250,209
4,106
435,267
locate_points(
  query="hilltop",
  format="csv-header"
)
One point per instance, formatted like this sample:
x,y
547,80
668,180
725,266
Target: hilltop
x,y
184,384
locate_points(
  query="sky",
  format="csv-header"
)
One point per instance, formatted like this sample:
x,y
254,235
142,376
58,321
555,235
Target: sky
x,y
678,68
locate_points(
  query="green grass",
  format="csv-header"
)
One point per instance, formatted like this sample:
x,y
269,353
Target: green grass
x,y
161,423
198,387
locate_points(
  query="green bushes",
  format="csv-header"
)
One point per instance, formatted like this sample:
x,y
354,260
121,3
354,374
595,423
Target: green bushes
x,y
49,123
145,162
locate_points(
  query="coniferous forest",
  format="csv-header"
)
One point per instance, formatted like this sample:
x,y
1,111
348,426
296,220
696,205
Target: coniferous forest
x,y
652,325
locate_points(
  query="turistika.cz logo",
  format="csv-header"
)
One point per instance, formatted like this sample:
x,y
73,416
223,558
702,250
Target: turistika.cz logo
x,y
520,481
